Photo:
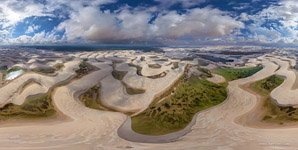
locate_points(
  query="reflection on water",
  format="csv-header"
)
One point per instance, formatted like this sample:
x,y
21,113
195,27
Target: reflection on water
x,y
13,75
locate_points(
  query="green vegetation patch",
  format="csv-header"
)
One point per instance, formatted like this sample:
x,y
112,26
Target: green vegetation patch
x,y
206,73
177,110
273,112
48,70
10,70
13,69
154,66
236,73
56,67
59,66
265,86
36,106
84,69
91,98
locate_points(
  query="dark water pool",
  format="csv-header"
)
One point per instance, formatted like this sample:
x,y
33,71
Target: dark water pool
x,y
216,59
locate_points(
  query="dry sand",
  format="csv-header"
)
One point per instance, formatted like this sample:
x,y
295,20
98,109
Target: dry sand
x,y
216,79
215,128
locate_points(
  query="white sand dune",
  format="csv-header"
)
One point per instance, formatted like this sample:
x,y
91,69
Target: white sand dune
x,y
216,78
214,128
114,94
10,92
284,95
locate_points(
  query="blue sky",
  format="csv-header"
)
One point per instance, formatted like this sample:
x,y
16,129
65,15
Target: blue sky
x,y
156,22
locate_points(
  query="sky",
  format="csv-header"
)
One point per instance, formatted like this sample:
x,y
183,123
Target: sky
x,y
150,22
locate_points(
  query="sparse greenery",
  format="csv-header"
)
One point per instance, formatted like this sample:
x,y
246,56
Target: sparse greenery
x,y
91,98
142,58
162,59
177,110
51,70
59,66
175,65
202,62
48,70
139,68
37,106
3,68
84,68
265,86
119,75
163,74
132,91
236,73
273,112
206,73
13,69
153,56
154,66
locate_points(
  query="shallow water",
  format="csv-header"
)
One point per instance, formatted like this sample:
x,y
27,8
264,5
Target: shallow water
x,y
13,75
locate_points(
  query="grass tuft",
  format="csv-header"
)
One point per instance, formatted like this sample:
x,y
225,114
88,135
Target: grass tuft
x,y
177,110
91,98
273,112
36,106
236,73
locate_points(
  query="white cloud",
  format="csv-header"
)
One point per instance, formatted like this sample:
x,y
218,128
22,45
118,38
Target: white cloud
x,y
82,24
198,23
4,33
32,28
133,25
38,38
244,17
87,22
13,11
286,13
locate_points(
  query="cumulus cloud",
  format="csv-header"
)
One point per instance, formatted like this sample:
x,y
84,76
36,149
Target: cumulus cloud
x,y
134,25
38,38
13,11
88,22
32,28
198,23
276,23
84,20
